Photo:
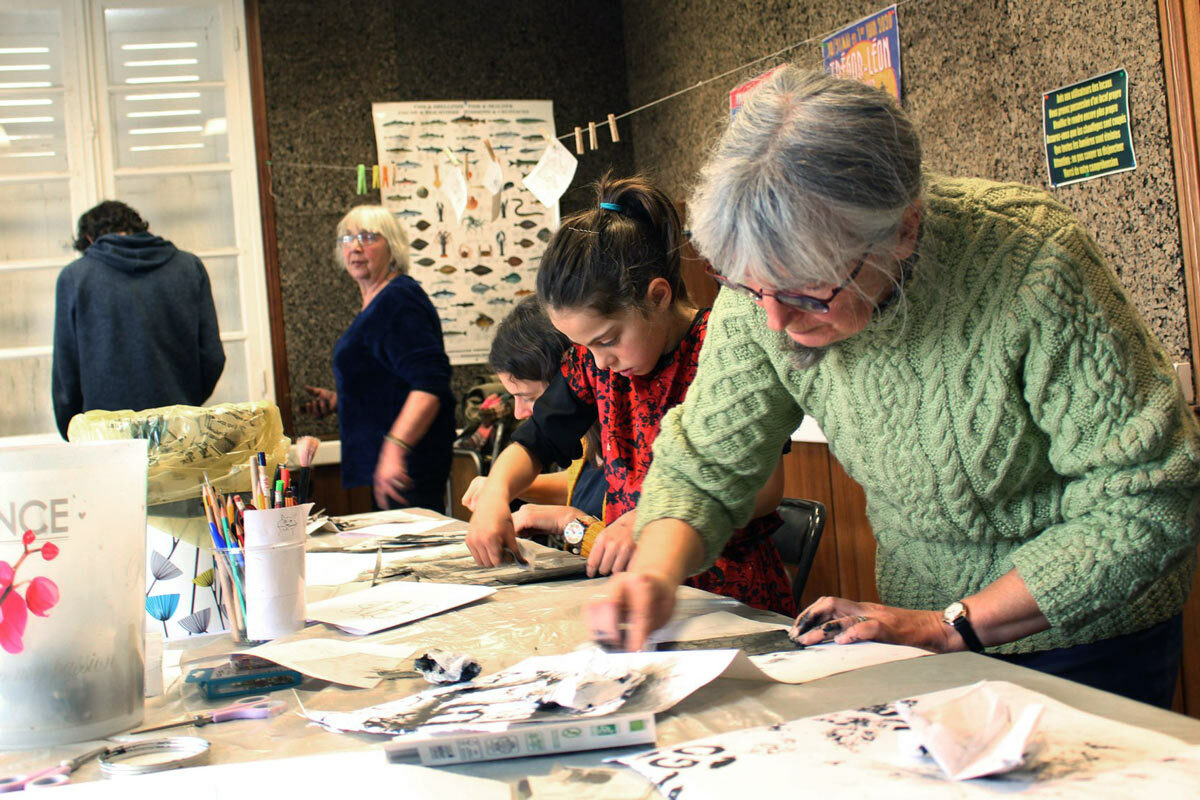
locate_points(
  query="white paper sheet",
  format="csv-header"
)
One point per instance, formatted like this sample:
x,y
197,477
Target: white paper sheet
x,y
823,660
711,626
552,174
419,525
512,694
355,663
360,773
393,603
862,753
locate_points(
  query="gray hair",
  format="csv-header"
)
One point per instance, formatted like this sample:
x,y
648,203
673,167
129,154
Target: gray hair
x,y
813,172
375,219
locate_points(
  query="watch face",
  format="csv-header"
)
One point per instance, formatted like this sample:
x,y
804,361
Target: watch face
x,y
953,612
574,532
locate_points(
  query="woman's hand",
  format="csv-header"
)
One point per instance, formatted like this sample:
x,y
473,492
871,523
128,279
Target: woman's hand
x,y
391,474
534,518
638,604
613,548
471,495
845,621
490,533
324,401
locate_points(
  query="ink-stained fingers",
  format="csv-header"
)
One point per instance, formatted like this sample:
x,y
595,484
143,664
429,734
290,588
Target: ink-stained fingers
x,y
602,619
820,611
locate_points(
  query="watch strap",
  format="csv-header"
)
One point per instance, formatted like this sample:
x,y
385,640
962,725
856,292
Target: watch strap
x,y
967,632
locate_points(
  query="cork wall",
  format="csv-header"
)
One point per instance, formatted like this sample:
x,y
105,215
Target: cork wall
x,y
973,73
325,63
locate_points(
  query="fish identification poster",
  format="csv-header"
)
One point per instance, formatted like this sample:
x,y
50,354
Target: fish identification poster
x,y
474,267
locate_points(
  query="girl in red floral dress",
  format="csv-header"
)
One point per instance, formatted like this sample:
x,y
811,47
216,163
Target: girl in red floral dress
x,y
611,281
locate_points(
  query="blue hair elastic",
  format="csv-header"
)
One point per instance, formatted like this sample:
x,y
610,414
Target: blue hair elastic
x,y
613,207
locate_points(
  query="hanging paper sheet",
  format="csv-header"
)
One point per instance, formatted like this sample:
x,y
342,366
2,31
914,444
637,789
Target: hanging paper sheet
x,y
476,265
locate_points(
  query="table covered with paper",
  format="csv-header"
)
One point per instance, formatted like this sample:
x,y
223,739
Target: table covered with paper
x,y
755,711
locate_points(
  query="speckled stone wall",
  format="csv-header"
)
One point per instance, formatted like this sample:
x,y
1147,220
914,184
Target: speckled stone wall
x,y
973,74
324,63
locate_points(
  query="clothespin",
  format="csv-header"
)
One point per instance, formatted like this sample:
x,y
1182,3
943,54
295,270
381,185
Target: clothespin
x,y
362,179
450,155
383,170
374,176
592,145
578,140
612,128
487,143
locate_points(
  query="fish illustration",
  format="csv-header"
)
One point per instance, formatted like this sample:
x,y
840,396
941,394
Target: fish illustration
x,y
406,165
524,243
526,224
435,122
524,292
421,225
430,149
515,261
463,149
425,262
499,301
533,137
465,305
512,277
407,212
480,269
398,197
442,294
430,136
522,162
500,121
531,149
502,147
442,282
543,234
397,150
484,321
396,122
465,120
469,138
505,135
481,288
446,269
447,320
405,181
454,333
419,244
528,120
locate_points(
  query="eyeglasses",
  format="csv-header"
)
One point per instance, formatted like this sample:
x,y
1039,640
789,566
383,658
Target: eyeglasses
x,y
796,300
363,237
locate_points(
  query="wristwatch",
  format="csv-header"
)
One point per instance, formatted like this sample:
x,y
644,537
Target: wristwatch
x,y
955,616
576,537
573,534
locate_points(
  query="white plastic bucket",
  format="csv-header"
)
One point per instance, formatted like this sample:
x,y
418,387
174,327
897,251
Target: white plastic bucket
x,y
77,672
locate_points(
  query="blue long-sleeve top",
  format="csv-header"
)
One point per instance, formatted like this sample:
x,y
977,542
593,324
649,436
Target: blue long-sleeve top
x,y
393,347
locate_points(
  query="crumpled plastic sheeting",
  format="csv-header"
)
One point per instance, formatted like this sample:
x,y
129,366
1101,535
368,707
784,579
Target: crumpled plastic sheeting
x,y
188,442
441,667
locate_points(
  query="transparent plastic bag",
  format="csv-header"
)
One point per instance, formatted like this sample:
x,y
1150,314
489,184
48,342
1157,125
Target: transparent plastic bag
x,y
188,443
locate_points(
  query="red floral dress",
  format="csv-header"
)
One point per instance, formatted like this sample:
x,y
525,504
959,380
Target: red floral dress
x,y
630,410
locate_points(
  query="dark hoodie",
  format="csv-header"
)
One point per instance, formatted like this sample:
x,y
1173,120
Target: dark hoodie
x,y
134,328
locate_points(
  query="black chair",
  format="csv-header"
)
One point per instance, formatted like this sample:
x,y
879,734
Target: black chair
x,y
798,538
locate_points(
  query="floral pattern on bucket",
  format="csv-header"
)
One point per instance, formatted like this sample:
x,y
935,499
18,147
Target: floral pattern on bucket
x,y
41,595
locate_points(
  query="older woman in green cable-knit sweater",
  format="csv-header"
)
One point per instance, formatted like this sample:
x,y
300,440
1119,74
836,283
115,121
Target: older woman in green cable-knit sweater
x,y
1029,464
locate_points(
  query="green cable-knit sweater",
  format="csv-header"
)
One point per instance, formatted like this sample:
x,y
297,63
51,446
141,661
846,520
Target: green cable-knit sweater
x,y
1012,411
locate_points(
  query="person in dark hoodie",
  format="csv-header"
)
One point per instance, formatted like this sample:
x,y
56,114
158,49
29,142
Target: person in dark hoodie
x,y
134,322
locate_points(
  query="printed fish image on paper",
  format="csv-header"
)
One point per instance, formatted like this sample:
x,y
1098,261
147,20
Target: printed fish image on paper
x,y
500,301
407,165
543,235
512,277
480,269
481,288
425,262
522,162
484,321
419,244
527,224
422,225
526,243
447,269
466,120
406,212
528,120
515,261
442,294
